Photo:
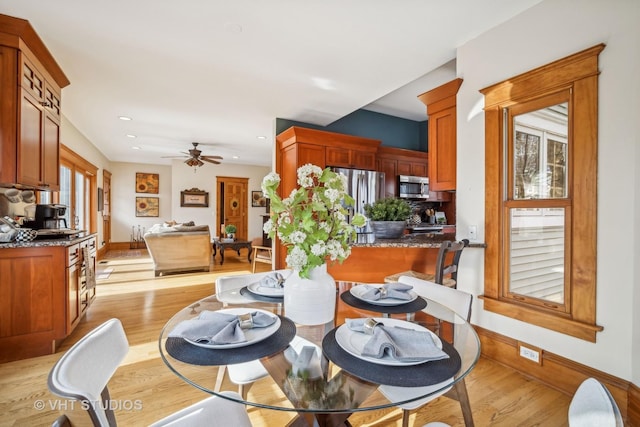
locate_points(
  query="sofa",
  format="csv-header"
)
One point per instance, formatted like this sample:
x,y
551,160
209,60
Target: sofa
x,y
179,248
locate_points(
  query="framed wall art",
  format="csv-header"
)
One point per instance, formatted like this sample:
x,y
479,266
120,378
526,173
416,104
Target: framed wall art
x,y
258,199
147,182
147,206
194,198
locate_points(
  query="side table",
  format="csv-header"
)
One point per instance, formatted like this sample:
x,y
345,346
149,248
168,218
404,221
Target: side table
x,y
235,245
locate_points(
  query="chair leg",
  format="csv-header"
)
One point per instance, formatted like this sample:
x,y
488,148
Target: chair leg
x,y
243,390
253,262
222,370
405,418
463,398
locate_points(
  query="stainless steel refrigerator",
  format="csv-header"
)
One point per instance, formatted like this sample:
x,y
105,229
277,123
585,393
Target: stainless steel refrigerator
x,y
364,186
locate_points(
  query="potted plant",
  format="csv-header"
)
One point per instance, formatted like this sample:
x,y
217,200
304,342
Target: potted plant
x,y
388,217
230,229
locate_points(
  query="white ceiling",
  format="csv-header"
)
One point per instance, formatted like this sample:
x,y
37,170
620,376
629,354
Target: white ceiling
x,y
220,72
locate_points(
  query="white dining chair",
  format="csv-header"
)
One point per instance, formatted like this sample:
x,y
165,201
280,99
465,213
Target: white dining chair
x,y
453,299
83,372
593,406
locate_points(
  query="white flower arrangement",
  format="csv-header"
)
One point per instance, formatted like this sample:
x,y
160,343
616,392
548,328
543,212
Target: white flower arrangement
x,y
312,221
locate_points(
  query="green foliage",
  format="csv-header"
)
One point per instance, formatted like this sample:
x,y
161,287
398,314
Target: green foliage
x,y
388,209
230,229
312,221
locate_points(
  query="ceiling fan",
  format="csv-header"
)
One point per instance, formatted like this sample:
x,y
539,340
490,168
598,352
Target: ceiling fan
x,y
195,157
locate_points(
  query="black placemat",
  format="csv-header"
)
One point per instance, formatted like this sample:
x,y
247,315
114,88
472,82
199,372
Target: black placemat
x,y
245,292
427,373
410,307
182,350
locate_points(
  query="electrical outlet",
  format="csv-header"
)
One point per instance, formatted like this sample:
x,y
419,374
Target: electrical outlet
x,y
473,232
529,353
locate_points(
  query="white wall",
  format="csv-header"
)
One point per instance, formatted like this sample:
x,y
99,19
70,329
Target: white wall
x,y
548,31
76,141
174,179
205,179
124,221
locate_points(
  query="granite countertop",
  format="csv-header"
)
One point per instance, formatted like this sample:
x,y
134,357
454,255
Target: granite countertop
x,y
423,240
49,242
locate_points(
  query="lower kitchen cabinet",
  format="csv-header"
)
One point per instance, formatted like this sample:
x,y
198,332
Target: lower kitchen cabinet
x,y
42,296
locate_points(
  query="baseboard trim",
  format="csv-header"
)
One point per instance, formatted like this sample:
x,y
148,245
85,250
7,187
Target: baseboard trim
x,y
559,372
102,252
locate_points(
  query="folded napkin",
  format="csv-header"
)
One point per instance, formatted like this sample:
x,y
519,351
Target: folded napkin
x,y
273,280
211,327
402,344
393,290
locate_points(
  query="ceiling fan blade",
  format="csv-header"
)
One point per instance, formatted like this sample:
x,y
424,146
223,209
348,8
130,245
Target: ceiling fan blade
x,y
215,162
212,157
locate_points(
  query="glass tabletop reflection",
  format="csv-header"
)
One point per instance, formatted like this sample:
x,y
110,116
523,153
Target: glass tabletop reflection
x,y
337,381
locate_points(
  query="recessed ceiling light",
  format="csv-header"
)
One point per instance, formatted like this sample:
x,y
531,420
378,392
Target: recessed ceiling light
x,y
125,118
135,147
262,137
235,157
232,27
131,136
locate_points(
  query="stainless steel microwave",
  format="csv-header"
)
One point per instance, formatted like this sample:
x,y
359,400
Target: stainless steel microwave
x,y
413,187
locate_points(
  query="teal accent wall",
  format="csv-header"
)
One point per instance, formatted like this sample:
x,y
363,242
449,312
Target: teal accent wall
x,y
392,131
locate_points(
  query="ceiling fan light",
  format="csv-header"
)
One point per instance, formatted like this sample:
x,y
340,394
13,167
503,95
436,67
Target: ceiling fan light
x,y
194,162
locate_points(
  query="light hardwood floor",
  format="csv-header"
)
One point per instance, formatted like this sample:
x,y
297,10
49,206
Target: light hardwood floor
x,y
499,395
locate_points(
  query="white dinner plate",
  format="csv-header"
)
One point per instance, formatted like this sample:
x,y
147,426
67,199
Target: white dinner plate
x,y
359,290
353,342
253,335
265,291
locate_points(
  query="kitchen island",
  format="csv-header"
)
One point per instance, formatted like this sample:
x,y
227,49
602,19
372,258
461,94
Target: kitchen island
x,y
46,288
373,259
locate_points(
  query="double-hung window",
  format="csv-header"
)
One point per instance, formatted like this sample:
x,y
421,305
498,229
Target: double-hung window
x,y
541,151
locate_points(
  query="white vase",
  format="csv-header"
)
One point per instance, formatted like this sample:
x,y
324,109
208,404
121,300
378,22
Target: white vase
x,y
310,301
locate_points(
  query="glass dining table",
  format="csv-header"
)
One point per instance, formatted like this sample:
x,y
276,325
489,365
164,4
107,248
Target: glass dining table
x,y
343,381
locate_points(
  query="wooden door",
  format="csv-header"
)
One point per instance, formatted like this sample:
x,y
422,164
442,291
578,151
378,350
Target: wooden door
x,y
106,207
232,202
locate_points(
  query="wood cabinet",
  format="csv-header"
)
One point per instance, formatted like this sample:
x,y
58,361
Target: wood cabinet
x,y
412,168
441,110
73,286
398,161
350,158
297,146
42,297
30,83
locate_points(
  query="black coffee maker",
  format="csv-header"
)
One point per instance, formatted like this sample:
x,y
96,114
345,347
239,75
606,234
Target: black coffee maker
x,y
49,216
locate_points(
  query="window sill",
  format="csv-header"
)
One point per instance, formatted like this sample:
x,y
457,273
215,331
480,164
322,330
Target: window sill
x,y
543,319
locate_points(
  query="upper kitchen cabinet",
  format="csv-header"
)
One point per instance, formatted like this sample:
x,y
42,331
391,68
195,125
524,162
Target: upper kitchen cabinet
x,y
331,149
351,158
298,146
441,110
30,84
398,161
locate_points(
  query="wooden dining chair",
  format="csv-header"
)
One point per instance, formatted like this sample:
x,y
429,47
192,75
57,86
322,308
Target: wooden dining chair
x,y
446,265
260,254
460,302
82,374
